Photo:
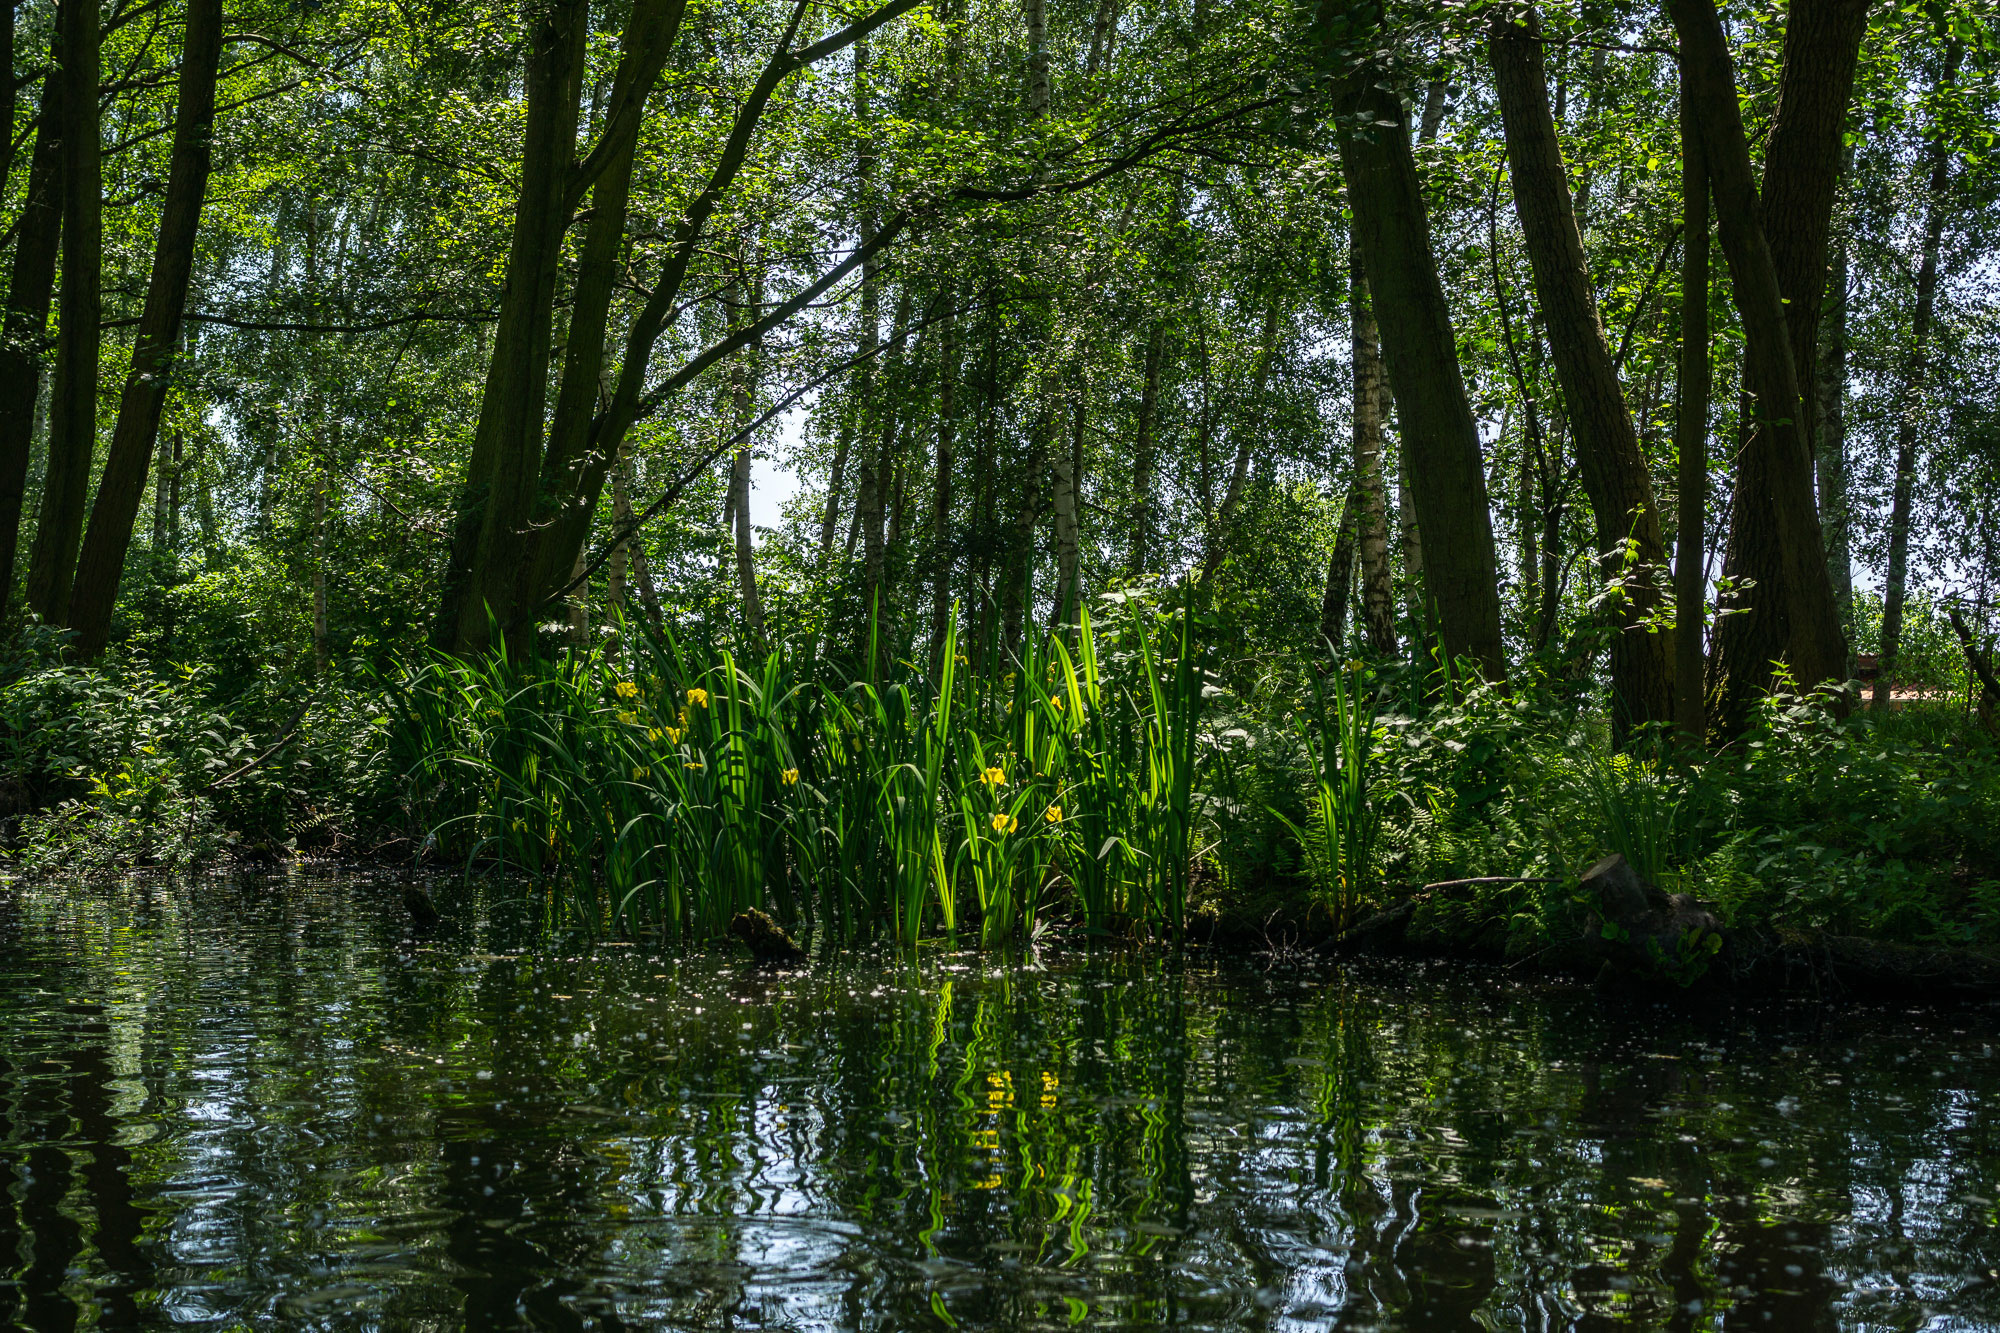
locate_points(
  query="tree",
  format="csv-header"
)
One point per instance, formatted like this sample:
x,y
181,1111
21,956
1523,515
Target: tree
x,y
126,466
1614,470
1774,530
1448,475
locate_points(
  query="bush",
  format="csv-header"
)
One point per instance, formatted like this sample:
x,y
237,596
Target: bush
x,y
124,764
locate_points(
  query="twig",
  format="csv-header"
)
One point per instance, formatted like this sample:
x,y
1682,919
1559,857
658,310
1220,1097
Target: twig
x,y
290,731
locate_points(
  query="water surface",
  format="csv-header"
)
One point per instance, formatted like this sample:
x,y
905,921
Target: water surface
x,y
267,1103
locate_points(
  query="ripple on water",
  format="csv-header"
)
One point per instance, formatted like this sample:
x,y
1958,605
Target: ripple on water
x,y
261,1103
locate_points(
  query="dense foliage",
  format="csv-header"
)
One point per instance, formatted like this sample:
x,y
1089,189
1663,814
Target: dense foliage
x,y
406,414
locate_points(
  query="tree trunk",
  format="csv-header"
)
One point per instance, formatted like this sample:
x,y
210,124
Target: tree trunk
x,y
1340,571
1141,552
571,447
1036,13
835,476
507,556
1774,530
1691,407
872,494
130,458
7,103
1017,599
941,489
1802,166
73,399
619,566
985,469
1612,465
631,398
579,605
204,512
1068,546
634,545
497,502
1461,573
1370,497
1916,380
163,471
26,324
1830,442
1103,36
321,501
739,495
1527,514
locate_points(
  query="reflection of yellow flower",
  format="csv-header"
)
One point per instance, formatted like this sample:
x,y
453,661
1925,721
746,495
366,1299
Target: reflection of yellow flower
x,y
1005,823
628,719
627,690
1054,814
790,777
994,777
698,697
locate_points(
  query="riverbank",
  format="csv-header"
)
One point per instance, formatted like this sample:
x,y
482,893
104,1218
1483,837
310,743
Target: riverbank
x,y
657,794
1670,946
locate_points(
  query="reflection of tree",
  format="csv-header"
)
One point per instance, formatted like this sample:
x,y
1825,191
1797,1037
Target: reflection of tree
x,y
330,1120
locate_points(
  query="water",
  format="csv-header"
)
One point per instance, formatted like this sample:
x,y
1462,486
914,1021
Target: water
x,y
267,1103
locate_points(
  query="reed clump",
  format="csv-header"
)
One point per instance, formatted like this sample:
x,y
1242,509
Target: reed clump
x,y
649,788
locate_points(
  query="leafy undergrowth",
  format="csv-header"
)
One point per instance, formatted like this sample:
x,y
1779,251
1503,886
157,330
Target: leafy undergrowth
x,y
1309,798
1878,824
122,766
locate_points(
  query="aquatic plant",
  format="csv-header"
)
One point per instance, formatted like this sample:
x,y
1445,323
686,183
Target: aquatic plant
x,y
644,789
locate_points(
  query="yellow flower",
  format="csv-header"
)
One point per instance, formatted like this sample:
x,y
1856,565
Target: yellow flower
x,y
1354,665
790,777
1054,815
684,718
674,735
627,690
1058,702
641,772
698,697
994,777
1005,823
694,768
653,733
628,719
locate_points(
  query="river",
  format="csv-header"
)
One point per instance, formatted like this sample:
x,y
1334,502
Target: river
x,y
267,1101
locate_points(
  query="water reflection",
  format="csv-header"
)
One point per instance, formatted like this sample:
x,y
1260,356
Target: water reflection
x,y
270,1103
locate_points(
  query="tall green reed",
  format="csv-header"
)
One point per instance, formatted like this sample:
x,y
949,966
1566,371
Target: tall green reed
x,y
655,788
1338,730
